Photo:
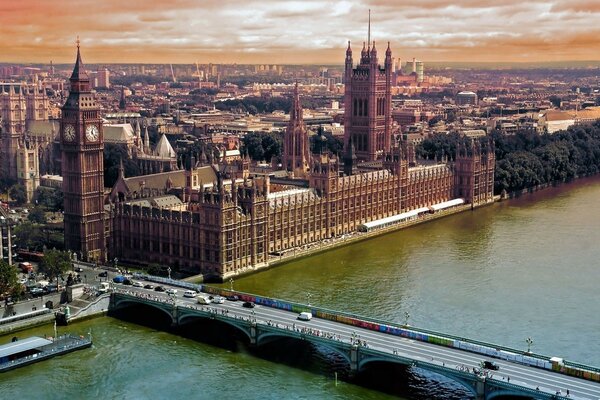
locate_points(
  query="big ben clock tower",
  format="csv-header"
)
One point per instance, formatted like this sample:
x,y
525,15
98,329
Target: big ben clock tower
x,y
82,144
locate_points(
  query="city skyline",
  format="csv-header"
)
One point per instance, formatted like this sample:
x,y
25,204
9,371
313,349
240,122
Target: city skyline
x,y
228,31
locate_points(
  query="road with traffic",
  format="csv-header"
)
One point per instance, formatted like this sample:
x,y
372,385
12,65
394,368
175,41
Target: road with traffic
x,y
511,372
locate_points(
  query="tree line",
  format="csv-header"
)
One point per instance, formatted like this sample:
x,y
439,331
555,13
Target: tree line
x,y
527,159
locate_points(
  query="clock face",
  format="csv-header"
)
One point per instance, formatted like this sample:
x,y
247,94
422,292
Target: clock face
x,y
69,133
91,133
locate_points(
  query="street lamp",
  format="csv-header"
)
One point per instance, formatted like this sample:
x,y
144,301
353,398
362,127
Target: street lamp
x,y
406,317
169,272
231,284
308,296
529,342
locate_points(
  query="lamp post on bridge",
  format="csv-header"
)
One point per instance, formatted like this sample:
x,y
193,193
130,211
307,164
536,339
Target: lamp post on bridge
x,y
529,342
406,317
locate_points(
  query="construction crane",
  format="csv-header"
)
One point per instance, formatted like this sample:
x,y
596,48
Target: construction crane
x,y
173,74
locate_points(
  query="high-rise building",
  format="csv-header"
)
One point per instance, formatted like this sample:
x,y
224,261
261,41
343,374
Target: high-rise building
x,y
419,69
103,78
82,145
367,103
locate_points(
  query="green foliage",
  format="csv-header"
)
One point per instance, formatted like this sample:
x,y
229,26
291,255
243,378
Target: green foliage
x,y
55,263
113,154
17,193
436,146
37,215
259,105
262,146
9,279
156,269
527,159
50,198
29,236
326,142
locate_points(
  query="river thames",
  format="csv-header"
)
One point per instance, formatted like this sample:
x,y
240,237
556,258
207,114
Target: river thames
x,y
522,268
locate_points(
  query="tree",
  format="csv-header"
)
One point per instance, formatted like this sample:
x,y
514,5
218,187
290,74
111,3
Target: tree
x,y
17,193
37,215
55,263
9,279
262,146
29,236
50,198
113,155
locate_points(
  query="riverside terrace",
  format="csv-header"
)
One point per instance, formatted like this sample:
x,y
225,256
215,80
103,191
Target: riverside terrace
x,y
361,342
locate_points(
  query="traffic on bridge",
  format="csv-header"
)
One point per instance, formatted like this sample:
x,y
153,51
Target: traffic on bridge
x,y
487,377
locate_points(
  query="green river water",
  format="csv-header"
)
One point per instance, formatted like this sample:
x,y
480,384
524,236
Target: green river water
x,y
523,268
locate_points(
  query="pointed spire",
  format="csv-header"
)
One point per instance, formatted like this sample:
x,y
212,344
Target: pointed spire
x,y
369,31
146,140
388,52
79,73
121,169
349,51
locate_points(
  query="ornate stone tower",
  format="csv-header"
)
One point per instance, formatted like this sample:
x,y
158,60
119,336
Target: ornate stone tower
x,y
82,145
12,116
296,150
367,103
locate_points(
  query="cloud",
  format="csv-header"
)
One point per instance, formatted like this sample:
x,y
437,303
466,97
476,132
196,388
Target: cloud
x,y
293,31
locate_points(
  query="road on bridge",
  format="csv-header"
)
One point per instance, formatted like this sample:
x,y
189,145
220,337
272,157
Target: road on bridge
x,y
511,372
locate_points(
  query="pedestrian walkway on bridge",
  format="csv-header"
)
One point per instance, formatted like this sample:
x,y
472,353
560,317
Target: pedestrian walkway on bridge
x,y
361,341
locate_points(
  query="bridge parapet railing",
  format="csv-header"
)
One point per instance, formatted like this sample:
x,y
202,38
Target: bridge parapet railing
x,y
425,335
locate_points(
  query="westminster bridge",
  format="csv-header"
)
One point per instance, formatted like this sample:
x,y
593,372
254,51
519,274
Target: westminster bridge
x,y
360,342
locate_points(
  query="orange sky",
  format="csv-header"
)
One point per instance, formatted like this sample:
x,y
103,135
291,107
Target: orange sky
x,y
305,31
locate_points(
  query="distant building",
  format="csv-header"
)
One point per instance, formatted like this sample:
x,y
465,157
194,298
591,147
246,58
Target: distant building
x,y
466,98
555,120
103,76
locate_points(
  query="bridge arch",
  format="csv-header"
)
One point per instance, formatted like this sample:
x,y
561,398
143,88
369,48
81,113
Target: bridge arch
x,y
464,379
188,318
120,303
263,338
508,393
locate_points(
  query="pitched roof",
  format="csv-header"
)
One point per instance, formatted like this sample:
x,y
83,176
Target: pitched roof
x,y
118,133
164,149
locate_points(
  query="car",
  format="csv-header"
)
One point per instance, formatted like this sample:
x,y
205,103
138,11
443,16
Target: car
x,y
78,269
305,316
171,291
36,291
159,289
189,293
490,365
232,297
127,282
218,300
248,304
148,286
119,279
102,274
137,284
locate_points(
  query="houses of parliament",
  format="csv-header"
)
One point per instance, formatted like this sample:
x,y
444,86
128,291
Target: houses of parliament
x,y
225,219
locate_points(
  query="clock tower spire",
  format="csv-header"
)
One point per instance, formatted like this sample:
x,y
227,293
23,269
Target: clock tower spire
x,y
82,144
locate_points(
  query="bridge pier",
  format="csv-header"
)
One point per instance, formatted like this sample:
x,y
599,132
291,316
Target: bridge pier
x,y
353,360
480,388
253,333
174,317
